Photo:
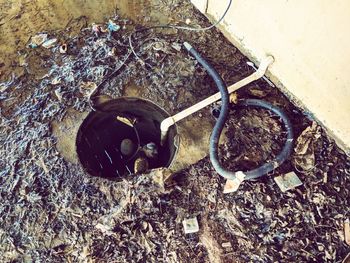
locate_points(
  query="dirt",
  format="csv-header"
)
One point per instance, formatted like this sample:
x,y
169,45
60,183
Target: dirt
x,y
52,211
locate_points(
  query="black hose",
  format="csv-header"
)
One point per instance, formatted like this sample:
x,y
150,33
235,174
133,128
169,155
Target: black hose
x,y
220,123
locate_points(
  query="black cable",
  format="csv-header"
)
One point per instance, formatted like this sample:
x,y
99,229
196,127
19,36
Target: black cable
x,y
219,125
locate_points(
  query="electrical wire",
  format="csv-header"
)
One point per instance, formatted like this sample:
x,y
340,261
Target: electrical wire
x,y
132,49
200,29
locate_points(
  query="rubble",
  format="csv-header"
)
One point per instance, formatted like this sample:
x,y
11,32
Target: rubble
x,y
53,211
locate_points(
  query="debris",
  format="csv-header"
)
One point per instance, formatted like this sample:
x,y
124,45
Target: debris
x,y
262,224
112,27
288,181
190,225
161,176
95,28
63,48
232,186
140,165
347,231
56,81
234,98
304,157
37,40
150,150
226,245
49,43
257,92
125,121
58,94
87,88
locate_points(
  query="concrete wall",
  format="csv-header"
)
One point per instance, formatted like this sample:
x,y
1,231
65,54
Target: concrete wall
x,y
310,41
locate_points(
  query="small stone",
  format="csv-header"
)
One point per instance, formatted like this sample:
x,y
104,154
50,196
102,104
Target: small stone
x,y
226,245
127,147
288,181
234,98
58,94
191,225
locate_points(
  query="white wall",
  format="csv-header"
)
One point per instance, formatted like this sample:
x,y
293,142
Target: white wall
x,y
310,41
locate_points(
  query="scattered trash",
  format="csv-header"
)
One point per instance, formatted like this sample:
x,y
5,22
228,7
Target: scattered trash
x,y
304,157
87,88
262,224
141,165
56,81
58,94
176,46
112,27
150,150
49,43
347,231
234,98
226,245
37,40
288,181
63,48
190,225
95,28
232,186
126,121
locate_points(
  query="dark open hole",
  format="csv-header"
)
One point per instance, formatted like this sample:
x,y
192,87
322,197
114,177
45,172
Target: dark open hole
x,y
102,132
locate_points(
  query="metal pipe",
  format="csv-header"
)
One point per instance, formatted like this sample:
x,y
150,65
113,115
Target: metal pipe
x,y
170,121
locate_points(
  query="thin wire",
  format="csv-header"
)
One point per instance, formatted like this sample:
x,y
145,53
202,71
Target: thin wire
x,y
138,58
176,27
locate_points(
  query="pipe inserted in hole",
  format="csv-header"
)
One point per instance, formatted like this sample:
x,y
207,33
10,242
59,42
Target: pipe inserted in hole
x,y
238,177
168,122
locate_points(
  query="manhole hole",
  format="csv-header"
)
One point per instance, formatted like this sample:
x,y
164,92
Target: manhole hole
x,y
136,121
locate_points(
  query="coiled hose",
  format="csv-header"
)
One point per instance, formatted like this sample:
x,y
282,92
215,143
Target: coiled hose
x,y
220,123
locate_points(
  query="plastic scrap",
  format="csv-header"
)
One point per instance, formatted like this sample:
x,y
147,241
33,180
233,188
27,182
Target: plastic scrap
x,y
49,43
232,186
112,27
63,49
288,181
190,225
95,28
37,40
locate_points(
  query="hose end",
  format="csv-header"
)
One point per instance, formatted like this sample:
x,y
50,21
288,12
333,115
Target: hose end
x,y
163,136
232,185
187,46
